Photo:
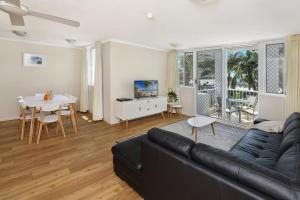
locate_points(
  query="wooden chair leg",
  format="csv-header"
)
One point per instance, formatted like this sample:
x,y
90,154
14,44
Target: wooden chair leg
x,y
37,128
73,119
62,127
22,130
39,134
20,125
47,131
76,117
57,128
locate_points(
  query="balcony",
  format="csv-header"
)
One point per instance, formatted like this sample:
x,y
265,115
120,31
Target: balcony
x,y
240,105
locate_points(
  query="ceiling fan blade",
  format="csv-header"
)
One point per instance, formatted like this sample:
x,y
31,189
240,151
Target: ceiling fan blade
x,y
16,20
54,18
13,2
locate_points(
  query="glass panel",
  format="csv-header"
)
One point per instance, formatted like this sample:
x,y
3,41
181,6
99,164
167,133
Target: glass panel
x,y
274,68
185,68
242,85
91,66
209,83
180,61
188,69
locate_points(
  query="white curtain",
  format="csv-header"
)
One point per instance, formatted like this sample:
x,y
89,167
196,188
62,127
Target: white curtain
x,y
84,83
172,73
293,75
97,99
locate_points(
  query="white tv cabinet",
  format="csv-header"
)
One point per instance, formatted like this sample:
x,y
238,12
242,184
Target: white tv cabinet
x,y
137,108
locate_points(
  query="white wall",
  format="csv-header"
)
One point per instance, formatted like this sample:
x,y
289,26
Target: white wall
x,y
62,74
187,100
106,63
272,106
125,63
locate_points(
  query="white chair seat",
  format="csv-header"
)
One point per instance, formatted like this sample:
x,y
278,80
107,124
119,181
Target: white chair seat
x,y
49,119
65,108
250,111
29,116
177,106
65,113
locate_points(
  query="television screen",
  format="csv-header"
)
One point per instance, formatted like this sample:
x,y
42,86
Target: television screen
x,y
145,88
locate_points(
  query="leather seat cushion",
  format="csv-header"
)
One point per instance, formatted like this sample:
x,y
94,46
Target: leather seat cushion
x,y
289,140
291,126
258,147
289,163
129,152
171,141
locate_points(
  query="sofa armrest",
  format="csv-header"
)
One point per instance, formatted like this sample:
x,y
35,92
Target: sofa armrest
x,y
171,141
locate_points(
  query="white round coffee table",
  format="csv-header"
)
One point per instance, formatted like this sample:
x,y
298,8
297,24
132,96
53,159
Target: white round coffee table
x,y
201,121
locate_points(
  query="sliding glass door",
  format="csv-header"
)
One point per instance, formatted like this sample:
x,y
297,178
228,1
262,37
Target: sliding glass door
x,y
227,84
241,97
209,83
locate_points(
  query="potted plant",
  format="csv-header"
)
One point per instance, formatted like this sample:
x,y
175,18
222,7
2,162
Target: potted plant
x,y
172,96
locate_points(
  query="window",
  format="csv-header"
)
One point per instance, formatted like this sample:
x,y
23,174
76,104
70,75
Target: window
x,y
275,68
185,68
91,57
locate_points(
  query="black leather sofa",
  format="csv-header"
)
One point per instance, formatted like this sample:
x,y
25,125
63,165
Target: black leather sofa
x,y
162,165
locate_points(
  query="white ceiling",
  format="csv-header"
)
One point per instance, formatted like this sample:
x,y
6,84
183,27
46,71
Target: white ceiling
x,y
189,23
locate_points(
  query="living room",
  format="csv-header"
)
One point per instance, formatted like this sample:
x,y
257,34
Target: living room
x,y
187,99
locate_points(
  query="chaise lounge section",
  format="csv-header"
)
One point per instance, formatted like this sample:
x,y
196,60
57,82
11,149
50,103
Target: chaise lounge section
x,y
164,165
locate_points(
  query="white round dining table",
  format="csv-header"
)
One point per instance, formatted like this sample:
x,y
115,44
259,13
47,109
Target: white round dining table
x,y
34,102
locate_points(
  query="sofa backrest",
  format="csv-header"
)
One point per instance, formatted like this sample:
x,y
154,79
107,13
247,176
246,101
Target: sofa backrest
x,y
289,140
292,122
169,174
270,182
289,163
172,141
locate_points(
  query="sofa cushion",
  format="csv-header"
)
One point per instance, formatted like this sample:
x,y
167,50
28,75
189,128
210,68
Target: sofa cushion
x,y
289,140
129,152
269,126
258,147
171,141
289,163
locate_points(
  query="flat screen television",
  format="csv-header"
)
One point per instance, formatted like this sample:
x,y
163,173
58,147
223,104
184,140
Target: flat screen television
x,y
145,88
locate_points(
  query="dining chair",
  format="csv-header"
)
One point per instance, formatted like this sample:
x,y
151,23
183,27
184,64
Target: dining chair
x,y
24,117
250,108
71,109
46,118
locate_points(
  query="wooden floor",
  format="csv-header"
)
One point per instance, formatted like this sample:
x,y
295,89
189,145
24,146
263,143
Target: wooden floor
x,y
77,167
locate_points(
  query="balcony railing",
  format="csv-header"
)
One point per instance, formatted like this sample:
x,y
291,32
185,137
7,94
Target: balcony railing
x,y
240,93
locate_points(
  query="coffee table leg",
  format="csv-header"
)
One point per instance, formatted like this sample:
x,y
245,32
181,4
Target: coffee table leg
x,y
196,134
213,129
